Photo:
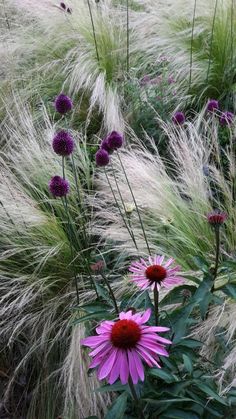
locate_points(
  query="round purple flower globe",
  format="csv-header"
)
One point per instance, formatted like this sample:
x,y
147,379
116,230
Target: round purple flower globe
x,y
226,118
63,104
58,186
62,5
115,140
105,146
212,105
102,157
63,143
178,118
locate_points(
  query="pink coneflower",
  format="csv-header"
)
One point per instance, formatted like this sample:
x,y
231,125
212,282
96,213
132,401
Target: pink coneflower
x,y
155,272
120,347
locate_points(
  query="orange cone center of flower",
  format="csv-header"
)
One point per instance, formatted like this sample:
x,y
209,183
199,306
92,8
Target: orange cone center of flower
x,y
125,334
155,273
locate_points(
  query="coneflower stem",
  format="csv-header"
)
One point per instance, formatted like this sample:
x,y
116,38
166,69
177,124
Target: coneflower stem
x,y
118,206
191,50
136,399
156,304
217,238
111,292
135,203
211,41
123,204
93,28
127,34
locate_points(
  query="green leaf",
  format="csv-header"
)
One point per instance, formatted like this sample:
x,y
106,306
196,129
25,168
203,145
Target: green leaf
x,y
230,290
190,343
166,401
118,407
94,308
113,387
201,263
164,375
188,363
104,315
175,295
208,390
179,414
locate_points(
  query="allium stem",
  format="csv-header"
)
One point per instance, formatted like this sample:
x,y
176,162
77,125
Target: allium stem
x,y
217,238
135,203
123,204
211,41
93,27
191,50
111,293
117,203
156,304
136,399
127,34
65,203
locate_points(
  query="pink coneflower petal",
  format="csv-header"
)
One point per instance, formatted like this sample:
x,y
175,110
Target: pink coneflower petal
x,y
120,347
155,273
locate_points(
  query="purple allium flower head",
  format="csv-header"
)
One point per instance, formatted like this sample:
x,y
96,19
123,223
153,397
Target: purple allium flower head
x,y
62,5
226,118
115,140
63,143
178,118
58,186
63,104
102,157
105,146
171,80
145,80
212,105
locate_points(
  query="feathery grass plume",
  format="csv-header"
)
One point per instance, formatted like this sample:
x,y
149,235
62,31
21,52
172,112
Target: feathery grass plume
x,y
37,291
173,198
168,31
63,48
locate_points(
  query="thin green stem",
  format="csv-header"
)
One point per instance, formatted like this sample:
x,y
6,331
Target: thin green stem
x,y
118,206
127,34
93,28
111,292
191,50
123,204
211,41
135,203
217,257
65,203
156,304
136,399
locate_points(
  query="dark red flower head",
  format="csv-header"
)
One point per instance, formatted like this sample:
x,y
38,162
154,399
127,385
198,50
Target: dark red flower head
x,y
216,218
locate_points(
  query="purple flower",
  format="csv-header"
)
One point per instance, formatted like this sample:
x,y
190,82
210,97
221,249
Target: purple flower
x,y
63,104
105,146
102,157
62,5
217,218
178,118
226,118
213,105
171,80
145,80
115,140
63,143
69,10
58,186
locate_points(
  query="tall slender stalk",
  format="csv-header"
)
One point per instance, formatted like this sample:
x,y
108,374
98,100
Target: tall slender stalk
x,y
127,35
123,204
111,292
65,203
136,399
191,50
156,304
118,206
93,28
135,203
217,256
211,41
